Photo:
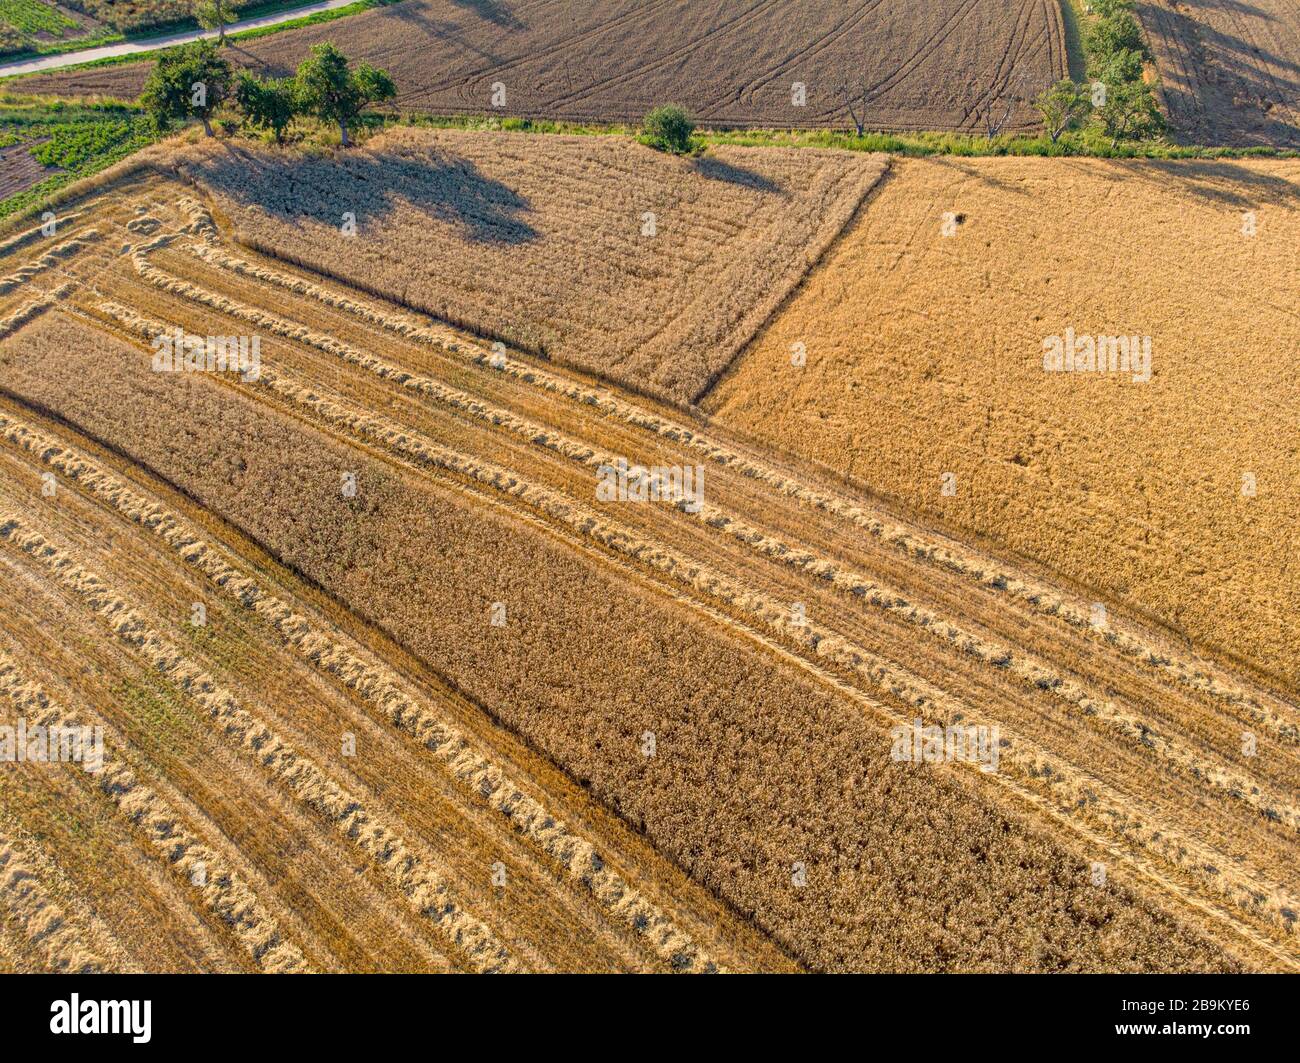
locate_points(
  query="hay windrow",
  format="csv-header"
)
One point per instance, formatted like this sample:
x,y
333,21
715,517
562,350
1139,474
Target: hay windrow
x,y
42,925
1061,785
198,865
382,688
768,640
923,545
50,260
1031,670
427,892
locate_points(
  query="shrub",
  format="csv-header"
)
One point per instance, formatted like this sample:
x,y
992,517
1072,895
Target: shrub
x,y
1116,33
1118,68
668,129
267,103
1107,8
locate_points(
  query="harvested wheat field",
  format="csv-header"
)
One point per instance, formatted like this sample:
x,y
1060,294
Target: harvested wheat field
x,y
595,252
731,62
1229,72
446,680
1173,498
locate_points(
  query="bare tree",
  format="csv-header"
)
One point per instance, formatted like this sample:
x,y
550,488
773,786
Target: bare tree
x,y
214,15
994,119
997,109
856,97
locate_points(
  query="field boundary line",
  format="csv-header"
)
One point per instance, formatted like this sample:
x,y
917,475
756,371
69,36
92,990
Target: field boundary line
x,y
922,544
355,669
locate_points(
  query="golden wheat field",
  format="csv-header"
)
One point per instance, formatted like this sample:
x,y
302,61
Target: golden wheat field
x,y
1173,497
401,664
596,252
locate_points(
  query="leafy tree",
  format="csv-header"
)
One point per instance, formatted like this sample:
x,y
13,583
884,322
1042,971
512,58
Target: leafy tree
x,y
1124,65
1061,106
267,103
326,88
1116,33
1130,110
668,129
1107,8
214,15
188,82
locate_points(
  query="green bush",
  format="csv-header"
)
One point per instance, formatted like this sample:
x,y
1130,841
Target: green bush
x,y
1116,33
1130,112
668,129
1118,68
72,144
267,103
1107,8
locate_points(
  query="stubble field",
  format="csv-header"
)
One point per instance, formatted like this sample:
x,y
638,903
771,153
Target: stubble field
x,y
400,525
594,252
1171,498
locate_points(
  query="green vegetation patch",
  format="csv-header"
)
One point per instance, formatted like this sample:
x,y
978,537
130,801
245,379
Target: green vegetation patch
x,y
27,48
21,20
79,139
32,16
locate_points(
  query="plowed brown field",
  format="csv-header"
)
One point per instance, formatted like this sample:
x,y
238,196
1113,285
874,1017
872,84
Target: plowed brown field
x,y
19,169
397,535
731,62
1229,71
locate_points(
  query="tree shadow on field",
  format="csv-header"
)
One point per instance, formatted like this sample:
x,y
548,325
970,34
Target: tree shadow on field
x,y
978,173
1239,93
495,11
450,42
1223,182
1235,6
716,170
370,186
